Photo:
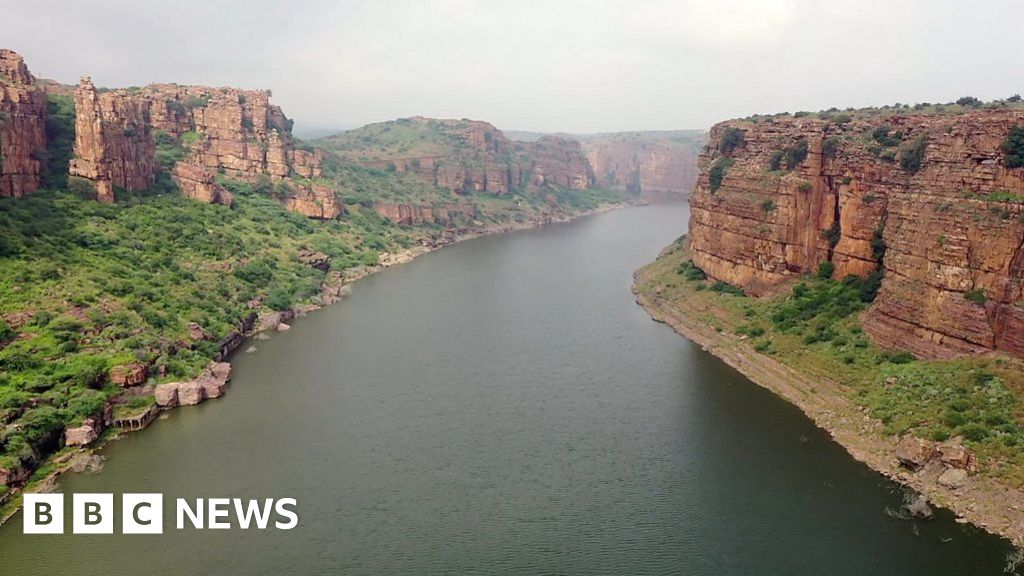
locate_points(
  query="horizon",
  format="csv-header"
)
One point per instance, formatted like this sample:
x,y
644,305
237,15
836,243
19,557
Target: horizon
x,y
336,66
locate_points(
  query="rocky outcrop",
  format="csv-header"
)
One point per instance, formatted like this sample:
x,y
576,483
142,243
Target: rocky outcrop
x,y
554,161
113,144
90,429
210,384
127,375
22,127
199,182
946,229
415,214
236,133
650,164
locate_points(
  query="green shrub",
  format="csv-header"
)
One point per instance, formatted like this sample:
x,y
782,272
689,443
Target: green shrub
x,y
724,287
1013,148
833,234
768,206
717,172
969,101
977,296
732,138
795,154
691,271
830,147
826,270
885,136
911,155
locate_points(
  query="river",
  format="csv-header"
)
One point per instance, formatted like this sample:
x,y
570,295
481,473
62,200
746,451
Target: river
x,y
503,406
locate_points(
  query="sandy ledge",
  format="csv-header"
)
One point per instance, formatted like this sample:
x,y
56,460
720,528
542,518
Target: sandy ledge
x,y
984,502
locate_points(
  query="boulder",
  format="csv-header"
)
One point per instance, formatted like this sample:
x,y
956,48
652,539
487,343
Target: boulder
x,y
282,327
212,387
953,477
129,374
190,393
166,395
953,454
84,434
914,452
196,332
221,370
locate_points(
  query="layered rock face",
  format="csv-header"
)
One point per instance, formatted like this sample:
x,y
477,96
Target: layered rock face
x,y
229,131
113,144
948,231
415,214
652,164
466,155
22,127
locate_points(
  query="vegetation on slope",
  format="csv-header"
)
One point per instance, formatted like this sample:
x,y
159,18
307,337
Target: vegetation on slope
x,y
815,329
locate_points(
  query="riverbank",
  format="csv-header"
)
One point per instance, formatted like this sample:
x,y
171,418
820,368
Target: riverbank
x,y
708,319
332,290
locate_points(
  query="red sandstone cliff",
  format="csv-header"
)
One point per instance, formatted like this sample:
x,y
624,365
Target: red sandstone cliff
x,y
947,232
652,164
233,132
22,127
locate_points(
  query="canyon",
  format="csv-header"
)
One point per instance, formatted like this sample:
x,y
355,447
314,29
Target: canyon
x,y
657,165
926,202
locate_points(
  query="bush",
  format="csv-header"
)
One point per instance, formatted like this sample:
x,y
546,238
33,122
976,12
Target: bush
x,y
830,147
724,287
1013,148
732,138
885,136
969,101
768,205
279,299
911,154
796,154
977,296
826,270
691,271
717,172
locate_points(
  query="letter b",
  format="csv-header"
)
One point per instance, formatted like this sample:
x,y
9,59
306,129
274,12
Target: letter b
x,y
44,514
93,514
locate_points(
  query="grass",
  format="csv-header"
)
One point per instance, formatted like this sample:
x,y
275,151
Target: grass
x,y
815,328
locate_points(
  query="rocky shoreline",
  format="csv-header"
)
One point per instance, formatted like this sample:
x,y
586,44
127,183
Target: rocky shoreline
x,y
982,501
212,382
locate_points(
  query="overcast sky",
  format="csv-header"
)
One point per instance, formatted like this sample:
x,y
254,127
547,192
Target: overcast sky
x,y
537,65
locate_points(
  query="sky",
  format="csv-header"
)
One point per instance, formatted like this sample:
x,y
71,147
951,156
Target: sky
x,y
547,66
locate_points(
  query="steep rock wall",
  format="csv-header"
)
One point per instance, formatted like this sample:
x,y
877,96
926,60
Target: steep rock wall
x,y
949,234
651,167
234,132
113,144
22,127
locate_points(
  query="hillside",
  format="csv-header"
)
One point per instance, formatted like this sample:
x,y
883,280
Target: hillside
x,y
465,156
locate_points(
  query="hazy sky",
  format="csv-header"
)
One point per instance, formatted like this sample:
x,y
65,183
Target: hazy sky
x,y
544,66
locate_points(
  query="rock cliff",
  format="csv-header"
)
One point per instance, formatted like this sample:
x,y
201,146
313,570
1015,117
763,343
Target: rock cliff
x,y
927,199
22,127
228,131
651,164
444,214
113,144
465,155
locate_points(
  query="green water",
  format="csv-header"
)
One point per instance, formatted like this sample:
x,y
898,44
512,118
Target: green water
x,y
503,407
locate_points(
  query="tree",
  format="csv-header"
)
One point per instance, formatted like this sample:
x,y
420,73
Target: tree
x,y
1013,148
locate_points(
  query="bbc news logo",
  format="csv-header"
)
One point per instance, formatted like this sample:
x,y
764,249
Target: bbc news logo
x,y
144,514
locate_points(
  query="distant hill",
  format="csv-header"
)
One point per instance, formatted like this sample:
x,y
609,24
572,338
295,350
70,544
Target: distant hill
x,y
465,155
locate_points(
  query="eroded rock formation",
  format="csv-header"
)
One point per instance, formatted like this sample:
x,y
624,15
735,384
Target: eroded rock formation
x,y
443,214
113,144
926,197
22,127
237,133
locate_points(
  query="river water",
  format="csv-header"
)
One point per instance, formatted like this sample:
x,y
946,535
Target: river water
x,y
503,407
